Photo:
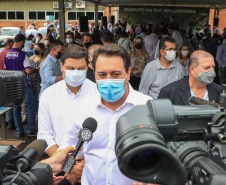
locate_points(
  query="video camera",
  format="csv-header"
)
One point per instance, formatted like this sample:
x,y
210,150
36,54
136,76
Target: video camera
x,y
23,168
165,144
20,168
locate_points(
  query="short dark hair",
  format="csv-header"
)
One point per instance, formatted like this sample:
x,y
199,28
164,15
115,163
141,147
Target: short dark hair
x,y
19,38
110,51
8,42
70,33
74,51
30,37
162,43
55,44
40,35
107,37
86,34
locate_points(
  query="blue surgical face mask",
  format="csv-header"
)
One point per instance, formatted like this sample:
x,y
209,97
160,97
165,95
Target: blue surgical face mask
x,y
74,78
111,90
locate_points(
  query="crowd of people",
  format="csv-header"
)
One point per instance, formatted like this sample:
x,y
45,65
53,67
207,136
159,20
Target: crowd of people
x,y
103,74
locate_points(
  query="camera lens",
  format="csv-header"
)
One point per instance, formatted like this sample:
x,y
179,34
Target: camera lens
x,y
145,161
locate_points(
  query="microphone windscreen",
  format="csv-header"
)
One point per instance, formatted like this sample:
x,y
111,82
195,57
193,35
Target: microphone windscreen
x,y
90,123
199,101
39,146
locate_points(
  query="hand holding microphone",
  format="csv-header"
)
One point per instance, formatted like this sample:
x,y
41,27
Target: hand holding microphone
x,y
85,134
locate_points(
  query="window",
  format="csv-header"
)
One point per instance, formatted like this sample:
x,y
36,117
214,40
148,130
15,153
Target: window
x,y
56,15
20,15
3,15
41,15
90,15
32,15
72,16
80,14
100,14
11,15
75,15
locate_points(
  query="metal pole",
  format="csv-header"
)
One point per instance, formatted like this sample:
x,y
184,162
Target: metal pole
x,y
96,14
62,20
109,18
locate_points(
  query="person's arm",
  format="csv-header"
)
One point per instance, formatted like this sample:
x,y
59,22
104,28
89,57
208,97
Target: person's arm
x,y
146,80
31,45
51,150
57,160
45,125
76,173
219,55
50,74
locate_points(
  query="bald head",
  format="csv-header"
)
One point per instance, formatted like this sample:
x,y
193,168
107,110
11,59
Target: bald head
x,y
8,43
197,57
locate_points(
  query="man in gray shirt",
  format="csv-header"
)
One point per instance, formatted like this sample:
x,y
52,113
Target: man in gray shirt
x,y
162,71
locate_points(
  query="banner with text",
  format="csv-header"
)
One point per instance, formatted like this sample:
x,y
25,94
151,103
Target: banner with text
x,y
165,15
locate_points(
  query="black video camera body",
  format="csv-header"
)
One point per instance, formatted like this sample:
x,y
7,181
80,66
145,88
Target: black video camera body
x,y
39,174
168,145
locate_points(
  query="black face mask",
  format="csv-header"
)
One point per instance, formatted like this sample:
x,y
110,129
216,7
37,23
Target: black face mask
x,y
36,52
87,44
138,45
22,46
58,56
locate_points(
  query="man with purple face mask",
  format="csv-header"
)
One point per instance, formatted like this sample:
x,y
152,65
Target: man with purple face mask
x,y
162,71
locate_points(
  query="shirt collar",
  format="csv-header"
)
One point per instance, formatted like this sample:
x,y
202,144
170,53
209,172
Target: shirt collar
x,y
69,91
159,65
52,58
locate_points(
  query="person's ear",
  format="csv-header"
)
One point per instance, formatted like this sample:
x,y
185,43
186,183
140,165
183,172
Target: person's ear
x,y
128,74
162,51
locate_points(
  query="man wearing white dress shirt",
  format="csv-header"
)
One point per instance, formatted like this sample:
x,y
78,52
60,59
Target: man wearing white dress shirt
x,y
111,64
56,102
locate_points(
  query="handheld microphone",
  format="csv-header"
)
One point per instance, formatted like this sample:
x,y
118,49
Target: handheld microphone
x,y
199,101
85,134
31,155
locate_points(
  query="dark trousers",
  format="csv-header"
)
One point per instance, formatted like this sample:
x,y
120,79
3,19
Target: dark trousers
x,y
222,75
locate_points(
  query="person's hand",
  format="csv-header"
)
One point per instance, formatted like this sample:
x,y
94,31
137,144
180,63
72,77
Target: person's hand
x,y
56,161
57,180
76,173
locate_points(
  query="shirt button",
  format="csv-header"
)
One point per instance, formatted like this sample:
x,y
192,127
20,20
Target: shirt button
x,y
109,165
110,147
109,182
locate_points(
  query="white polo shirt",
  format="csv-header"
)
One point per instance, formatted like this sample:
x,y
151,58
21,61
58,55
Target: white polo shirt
x,y
55,110
101,166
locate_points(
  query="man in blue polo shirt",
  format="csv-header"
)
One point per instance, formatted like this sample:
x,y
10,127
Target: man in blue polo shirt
x,y
17,60
50,71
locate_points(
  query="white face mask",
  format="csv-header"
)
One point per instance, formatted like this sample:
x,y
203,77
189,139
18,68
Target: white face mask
x,y
46,42
74,78
170,55
185,53
69,41
37,39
